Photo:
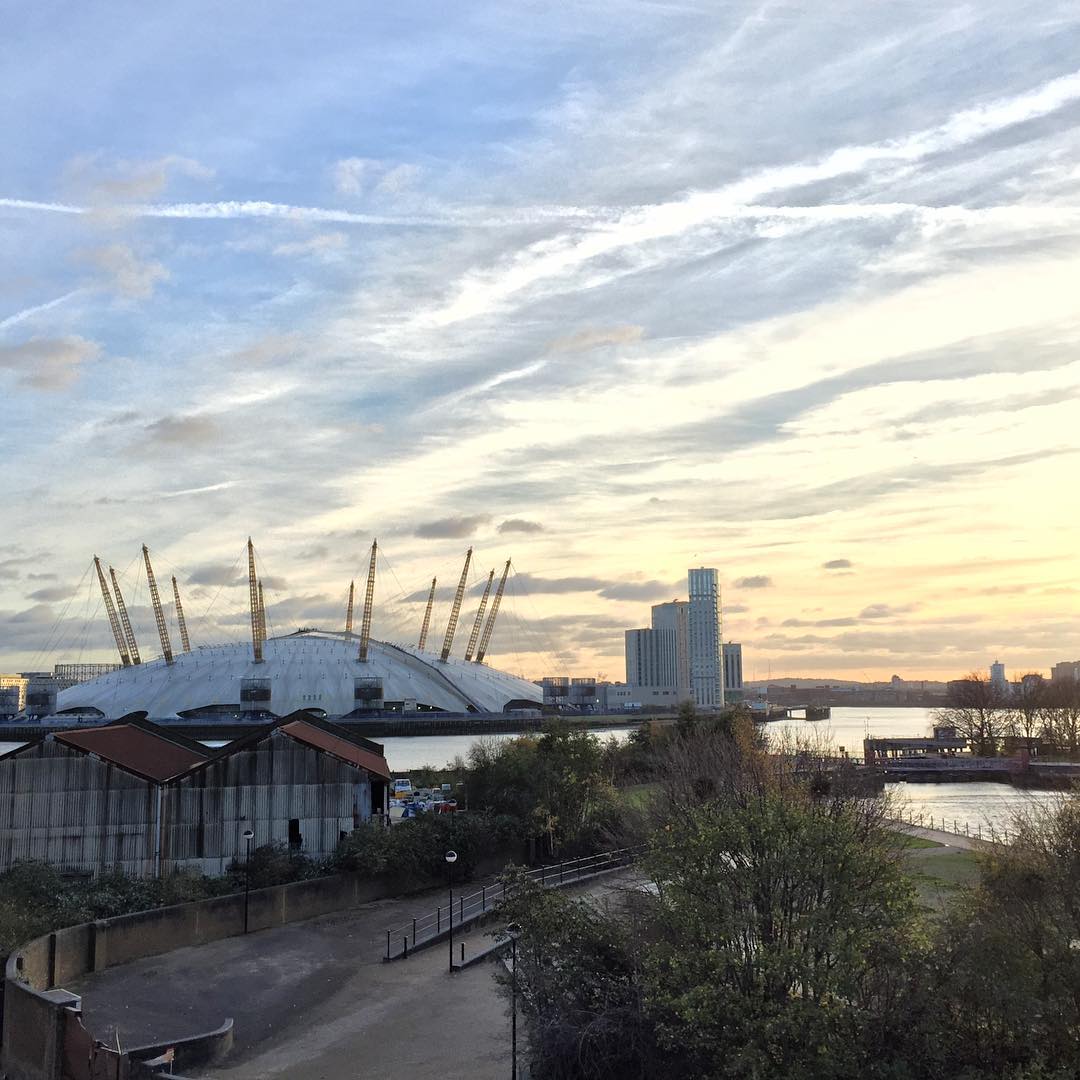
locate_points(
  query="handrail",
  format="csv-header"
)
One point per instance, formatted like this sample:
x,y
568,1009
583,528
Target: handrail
x,y
400,940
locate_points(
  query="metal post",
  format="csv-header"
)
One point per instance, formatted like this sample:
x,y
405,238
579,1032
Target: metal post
x,y
451,866
247,883
513,1007
414,933
438,920
483,898
463,954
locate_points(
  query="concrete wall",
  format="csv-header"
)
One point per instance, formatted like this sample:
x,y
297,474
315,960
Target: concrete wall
x,y
35,1013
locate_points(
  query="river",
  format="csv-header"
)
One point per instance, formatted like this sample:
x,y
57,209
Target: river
x,y
974,806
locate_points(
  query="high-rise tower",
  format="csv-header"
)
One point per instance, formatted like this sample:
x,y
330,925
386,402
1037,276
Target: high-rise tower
x,y
706,670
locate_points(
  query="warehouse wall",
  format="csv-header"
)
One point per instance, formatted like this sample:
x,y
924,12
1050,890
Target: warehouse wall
x,y
74,811
264,786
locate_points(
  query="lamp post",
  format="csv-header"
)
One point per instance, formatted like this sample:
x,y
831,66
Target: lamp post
x,y
451,858
513,930
248,834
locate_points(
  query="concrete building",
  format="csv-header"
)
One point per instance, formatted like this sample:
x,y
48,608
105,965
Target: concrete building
x,y
705,637
1065,671
675,616
733,674
997,677
149,801
651,658
621,697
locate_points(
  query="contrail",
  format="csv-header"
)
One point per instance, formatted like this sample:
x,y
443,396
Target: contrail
x,y
232,210
21,316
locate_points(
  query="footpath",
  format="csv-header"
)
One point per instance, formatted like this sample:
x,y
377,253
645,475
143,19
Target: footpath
x,y
315,1000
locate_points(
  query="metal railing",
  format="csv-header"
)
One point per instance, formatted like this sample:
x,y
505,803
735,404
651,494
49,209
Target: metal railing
x,y
401,940
942,824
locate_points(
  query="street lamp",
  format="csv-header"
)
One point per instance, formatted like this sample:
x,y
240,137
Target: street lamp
x,y
248,834
451,858
513,930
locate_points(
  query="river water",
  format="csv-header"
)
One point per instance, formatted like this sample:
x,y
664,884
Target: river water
x,y
974,806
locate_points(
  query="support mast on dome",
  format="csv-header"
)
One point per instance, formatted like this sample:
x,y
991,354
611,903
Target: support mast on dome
x,y
369,597
262,616
110,609
348,610
155,603
471,648
121,607
486,639
427,615
455,611
253,601
185,642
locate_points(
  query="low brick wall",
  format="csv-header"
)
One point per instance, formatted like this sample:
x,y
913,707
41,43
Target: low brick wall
x,y
33,1022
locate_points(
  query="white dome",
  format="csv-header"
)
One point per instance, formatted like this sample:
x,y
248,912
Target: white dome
x,y
314,669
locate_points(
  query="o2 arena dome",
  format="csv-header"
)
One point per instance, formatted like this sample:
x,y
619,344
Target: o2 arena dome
x,y
335,673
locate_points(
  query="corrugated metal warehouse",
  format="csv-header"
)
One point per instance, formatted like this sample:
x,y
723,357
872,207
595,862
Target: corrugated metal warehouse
x,y
136,797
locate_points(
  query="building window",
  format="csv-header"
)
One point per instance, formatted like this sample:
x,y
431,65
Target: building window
x,y
295,839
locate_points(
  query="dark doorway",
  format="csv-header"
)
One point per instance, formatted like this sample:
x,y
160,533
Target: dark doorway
x,y
296,841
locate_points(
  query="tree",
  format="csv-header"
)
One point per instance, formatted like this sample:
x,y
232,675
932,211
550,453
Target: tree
x,y
1008,959
782,930
1061,715
779,943
1028,714
979,710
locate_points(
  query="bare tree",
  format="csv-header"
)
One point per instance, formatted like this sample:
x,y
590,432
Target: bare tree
x,y
979,711
1061,715
1028,707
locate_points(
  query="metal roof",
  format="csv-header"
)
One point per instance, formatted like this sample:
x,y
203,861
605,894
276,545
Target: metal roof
x,y
310,670
136,749
320,739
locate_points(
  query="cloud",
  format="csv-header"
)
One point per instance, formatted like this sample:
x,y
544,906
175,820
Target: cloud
x,y
884,611
837,564
520,525
453,528
351,175
527,584
638,590
591,337
182,431
128,181
48,364
396,179
123,271
52,594
324,245
357,175
216,574
755,581
735,609
268,350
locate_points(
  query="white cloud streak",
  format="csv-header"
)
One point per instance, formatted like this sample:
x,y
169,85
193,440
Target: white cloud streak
x,y
30,312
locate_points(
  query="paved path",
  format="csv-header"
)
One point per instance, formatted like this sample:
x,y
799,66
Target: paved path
x,y
314,1000
946,839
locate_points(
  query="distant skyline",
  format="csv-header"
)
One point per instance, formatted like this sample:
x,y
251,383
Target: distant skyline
x,y
613,289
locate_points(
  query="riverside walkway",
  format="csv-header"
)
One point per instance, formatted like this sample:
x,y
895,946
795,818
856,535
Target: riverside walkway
x,y
317,1000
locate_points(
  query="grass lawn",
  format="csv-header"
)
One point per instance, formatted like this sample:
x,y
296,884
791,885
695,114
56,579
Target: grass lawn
x,y
938,873
920,842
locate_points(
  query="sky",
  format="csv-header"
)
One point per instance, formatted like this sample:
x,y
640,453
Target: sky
x,y
611,289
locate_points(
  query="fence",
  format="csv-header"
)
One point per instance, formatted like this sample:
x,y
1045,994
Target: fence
x,y
942,824
400,940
